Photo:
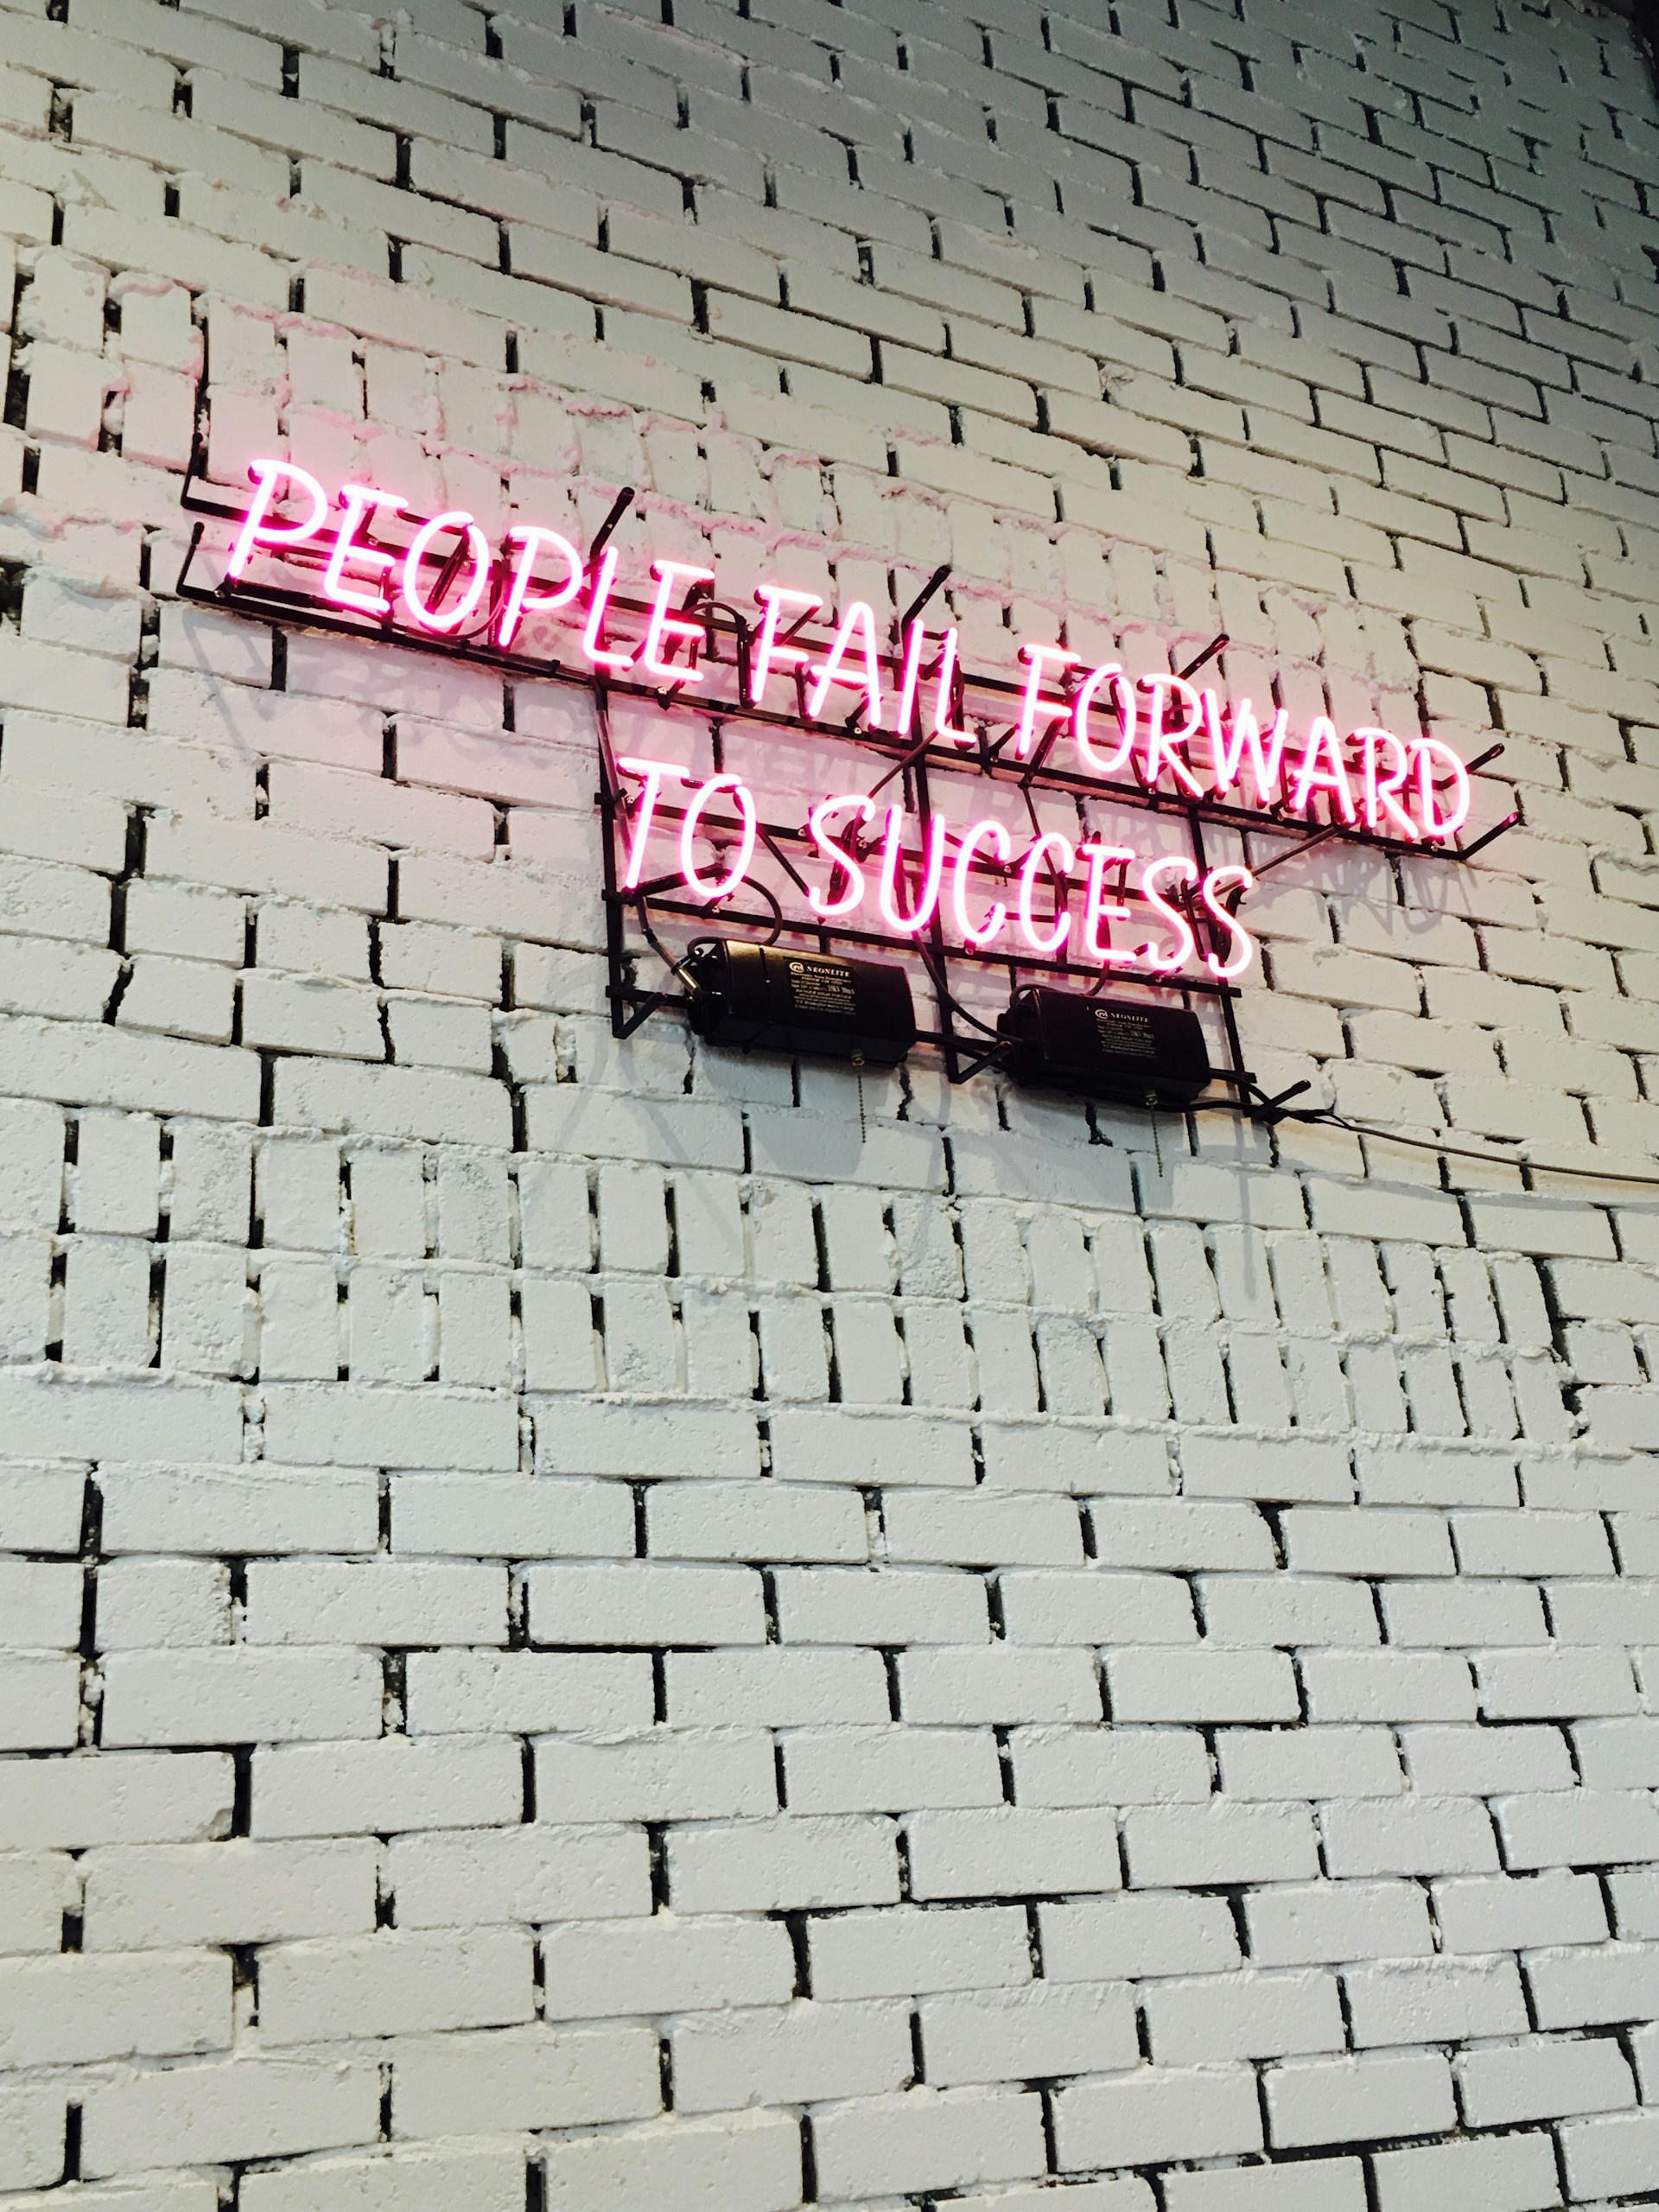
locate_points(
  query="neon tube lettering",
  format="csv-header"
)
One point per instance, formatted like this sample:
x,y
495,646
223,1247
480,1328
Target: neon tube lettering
x,y
1437,823
944,680
978,933
767,651
1379,791
821,903
1219,880
592,636
1176,868
893,852
533,541
256,531
355,501
675,628
1313,775
1097,908
655,775
1244,735
1161,748
1051,943
419,546
1037,659
858,618
1124,695
911,679
689,830
944,684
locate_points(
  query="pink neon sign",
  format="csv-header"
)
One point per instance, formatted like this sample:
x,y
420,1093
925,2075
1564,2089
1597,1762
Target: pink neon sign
x,y
370,557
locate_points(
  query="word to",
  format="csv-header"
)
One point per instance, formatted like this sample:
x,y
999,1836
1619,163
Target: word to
x,y
908,893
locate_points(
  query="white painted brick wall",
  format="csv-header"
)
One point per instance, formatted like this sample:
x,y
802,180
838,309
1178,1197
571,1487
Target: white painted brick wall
x,y
570,1635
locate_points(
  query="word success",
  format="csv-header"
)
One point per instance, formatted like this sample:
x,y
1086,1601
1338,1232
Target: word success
x,y
1065,901
442,578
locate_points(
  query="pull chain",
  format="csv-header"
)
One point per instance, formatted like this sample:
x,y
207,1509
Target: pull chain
x,y
858,1066
1157,1141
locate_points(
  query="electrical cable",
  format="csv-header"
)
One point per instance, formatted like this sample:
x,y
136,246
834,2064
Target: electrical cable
x,y
1331,1118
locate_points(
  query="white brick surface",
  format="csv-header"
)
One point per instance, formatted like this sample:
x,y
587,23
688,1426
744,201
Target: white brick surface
x,y
612,1624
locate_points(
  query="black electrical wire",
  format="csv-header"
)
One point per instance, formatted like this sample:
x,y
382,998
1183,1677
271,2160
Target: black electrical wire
x,y
1329,1116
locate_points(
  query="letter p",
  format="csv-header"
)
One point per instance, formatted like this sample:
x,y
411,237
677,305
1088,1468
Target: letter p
x,y
256,528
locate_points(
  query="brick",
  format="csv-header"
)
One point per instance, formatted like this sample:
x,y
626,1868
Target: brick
x,y
1000,1683
145,1897
1542,2079
1513,2173
463,2083
237,1695
1050,2029
1245,2015
1346,2100
326,1789
490,2175
997,1852
72,2009
412,1982
1137,1934
1158,2113
753,2159
1491,1913
1614,2153
790,2054
928,2139
1223,1843
239,2108
686,1964
646,1605
1409,2002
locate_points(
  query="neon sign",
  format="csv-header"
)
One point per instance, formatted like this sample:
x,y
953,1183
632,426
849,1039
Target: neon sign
x,y
1049,820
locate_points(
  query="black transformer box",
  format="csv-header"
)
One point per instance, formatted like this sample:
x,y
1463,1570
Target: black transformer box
x,y
761,997
1115,1049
